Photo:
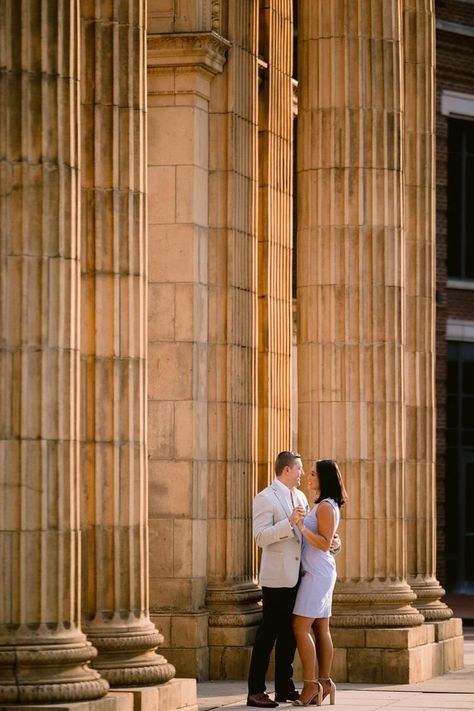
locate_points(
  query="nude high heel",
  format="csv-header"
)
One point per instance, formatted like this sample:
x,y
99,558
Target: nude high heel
x,y
331,690
316,697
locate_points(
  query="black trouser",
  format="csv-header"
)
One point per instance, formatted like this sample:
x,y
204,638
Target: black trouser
x,y
275,629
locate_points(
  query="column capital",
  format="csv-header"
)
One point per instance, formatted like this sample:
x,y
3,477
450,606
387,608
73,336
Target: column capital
x,y
205,50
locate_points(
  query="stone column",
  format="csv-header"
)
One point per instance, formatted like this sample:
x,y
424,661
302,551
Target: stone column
x,y
351,317
114,457
275,172
181,69
419,43
231,592
43,653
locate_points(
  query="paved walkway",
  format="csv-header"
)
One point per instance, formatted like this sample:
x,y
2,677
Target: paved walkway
x,y
450,692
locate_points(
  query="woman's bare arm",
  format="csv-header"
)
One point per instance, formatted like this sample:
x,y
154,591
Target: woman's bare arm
x,y
326,526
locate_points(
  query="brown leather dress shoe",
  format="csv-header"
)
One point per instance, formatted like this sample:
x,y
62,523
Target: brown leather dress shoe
x,y
262,701
288,696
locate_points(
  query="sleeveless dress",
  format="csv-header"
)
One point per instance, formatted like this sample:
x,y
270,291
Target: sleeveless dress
x,y
318,569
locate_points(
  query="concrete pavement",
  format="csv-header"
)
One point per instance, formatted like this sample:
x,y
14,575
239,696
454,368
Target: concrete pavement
x,y
450,692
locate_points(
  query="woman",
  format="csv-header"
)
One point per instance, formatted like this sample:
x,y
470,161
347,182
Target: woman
x,y
313,603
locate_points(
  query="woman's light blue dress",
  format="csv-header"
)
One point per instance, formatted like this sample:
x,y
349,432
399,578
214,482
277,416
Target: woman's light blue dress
x,y
314,598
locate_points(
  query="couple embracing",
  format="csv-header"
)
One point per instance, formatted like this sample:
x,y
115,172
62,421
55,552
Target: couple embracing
x,y
297,575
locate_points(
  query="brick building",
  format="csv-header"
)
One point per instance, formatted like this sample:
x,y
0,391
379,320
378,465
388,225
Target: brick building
x,y
455,293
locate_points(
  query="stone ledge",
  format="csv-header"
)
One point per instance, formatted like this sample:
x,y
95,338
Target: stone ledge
x,y
447,629
175,695
122,701
404,638
397,656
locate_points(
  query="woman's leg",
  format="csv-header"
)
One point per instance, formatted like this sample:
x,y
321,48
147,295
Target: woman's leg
x,y
307,652
324,653
324,647
305,644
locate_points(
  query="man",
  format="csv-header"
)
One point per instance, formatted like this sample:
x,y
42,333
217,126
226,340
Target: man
x,y
276,510
275,515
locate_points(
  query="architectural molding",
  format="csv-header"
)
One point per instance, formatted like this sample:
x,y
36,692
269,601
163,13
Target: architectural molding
x,y
207,50
462,284
455,103
458,330
216,15
294,97
455,28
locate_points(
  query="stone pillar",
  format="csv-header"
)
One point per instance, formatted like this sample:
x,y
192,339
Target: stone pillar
x,y
114,457
419,42
275,171
181,69
351,318
232,593
43,653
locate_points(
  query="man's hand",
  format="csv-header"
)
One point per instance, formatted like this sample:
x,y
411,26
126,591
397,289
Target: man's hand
x,y
335,547
296,516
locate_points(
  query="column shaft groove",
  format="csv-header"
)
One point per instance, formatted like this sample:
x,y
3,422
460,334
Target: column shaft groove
x,y
350,292
113,348
420,256
43,653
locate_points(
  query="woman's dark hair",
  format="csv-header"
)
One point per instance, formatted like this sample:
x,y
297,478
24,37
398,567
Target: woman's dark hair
x,y
330,482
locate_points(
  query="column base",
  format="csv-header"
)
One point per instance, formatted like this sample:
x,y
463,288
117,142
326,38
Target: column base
x,y
234,616
395,656
428,599
126,653
375,604
49,671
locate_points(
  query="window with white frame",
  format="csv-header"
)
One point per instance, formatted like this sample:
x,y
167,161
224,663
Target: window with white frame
x,y
459,108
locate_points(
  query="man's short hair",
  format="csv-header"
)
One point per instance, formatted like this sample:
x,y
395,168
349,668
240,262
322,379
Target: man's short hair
x,y
285,459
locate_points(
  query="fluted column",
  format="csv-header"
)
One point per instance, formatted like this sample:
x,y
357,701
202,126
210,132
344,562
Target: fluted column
x,y
231,590
43,653
113,347
419,43
350,291
181,69
275,150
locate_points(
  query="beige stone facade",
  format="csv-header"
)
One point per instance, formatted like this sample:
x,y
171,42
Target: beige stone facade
x,y
147,291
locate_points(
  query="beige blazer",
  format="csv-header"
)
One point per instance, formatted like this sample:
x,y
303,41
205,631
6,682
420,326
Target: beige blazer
x,y
280,543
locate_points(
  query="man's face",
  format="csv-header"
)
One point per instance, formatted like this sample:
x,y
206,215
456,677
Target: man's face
x,y
295,472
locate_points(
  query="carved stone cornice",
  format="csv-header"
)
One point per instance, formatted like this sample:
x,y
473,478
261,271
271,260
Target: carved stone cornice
x,y
216,15
206,50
